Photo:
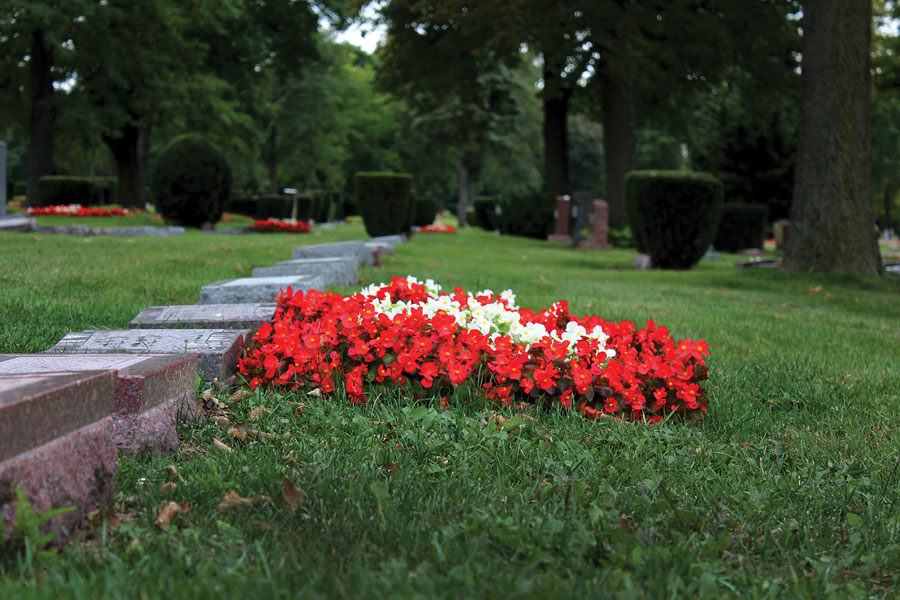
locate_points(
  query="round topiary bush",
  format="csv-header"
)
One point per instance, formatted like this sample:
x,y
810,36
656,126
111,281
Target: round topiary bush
x,y
673,215
385,202
192,182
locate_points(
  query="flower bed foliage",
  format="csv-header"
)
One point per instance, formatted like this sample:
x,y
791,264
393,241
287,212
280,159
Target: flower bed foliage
x,y
413,334
281,226
437,228
77,210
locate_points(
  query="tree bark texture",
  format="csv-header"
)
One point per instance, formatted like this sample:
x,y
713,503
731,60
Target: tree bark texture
x,y
887,199
130,151
832,222
43,115
270,158
618,141
469,175
556,136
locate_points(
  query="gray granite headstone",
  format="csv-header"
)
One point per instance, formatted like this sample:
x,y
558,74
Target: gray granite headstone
x,y
335,270
354,248
393,240
256,289
217,349
210,316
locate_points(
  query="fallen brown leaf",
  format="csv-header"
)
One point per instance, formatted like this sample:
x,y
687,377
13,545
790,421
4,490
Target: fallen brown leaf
x,y
257,411
266,435
168,511
172,473
391,468
291,496
239,396
232,501
220,420
96,518
546,435
624,524
219,445
588,441
167,487
240,432
813,290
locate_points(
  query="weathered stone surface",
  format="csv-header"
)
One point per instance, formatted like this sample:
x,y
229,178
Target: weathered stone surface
x,y
209,316
335,270
151,391
16,223
600,220
393,240
563,212
216,349
145,230
76,469
354,248
256,289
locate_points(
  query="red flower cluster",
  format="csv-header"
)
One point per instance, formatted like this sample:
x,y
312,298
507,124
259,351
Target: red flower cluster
x,y
317,339
438,228
76,210
279,226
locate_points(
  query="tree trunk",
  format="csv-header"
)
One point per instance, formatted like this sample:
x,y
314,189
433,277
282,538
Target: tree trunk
x,y
556,137
831,217
129,151
618,142
43,115
462,198
887,199
270,158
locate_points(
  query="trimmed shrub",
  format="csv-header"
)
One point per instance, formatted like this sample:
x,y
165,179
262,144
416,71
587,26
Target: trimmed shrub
x,y
322,205
743,225
240,204
426,211
529,215
485,213
192,182
337,206
66,189
305,206
385,202
272,206
18,188
673,215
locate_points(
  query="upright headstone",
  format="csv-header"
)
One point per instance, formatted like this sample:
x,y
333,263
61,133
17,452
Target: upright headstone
x,y
56,444
335,270
151,392
217,349
582,213
204,316
256,289
2,179
563,209
782,233
599,229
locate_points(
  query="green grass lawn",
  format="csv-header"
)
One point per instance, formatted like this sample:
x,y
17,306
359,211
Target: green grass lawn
x,y
789,487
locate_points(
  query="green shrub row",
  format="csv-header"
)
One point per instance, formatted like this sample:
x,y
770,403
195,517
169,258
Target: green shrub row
x,y
673,215
192,182
743,225
528,215
319,205
385,202
426,211
66,189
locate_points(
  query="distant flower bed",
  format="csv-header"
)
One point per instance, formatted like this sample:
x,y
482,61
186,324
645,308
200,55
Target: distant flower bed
x,y
413,335
438,228
281,226
76,210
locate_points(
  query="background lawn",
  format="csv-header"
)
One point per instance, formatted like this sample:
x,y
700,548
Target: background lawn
x,y
789,487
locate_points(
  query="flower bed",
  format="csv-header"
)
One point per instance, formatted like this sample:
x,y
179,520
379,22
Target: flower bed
x,y
77,210
281,226
438,228
415,335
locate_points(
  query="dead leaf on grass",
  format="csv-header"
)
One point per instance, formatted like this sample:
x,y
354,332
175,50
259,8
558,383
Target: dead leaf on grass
x,y
172,473
546,435
220,420
95,518
168,511
588,441
240,432
291,496
270,437
813,290
257,411
239,396
315,393
219,445
232,501
167,487
391,468
624,524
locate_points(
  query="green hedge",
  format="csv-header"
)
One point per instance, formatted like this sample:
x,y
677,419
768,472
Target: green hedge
x,y
66,189
385,202
528,215
192,182
673,215
240,204
484,209
426,211
272,206
743,225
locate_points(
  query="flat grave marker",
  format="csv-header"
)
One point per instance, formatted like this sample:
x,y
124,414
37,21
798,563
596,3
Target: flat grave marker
x,y
354,248
205,316
216,349
256,289
334,270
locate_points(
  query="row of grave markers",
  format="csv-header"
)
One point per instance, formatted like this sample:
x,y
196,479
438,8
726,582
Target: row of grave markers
x,y
67,413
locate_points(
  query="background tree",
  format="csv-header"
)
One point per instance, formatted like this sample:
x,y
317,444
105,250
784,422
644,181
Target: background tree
x,y
832,221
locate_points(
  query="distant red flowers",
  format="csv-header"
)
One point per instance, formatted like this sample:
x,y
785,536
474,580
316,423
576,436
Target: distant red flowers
x,y
438,228
76,210
281,226
317,340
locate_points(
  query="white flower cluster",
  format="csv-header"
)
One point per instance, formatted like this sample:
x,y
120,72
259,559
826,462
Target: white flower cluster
x,y
492,318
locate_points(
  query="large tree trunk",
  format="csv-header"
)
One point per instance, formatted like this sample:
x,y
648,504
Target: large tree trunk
x,y
129,151
831,217
469,174
43,115
887,199
618,141
270,158
556,142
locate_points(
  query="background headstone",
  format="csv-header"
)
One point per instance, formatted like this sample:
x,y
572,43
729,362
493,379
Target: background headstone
x,y
563,209
599,228
256,289
335,270
205,316
354,248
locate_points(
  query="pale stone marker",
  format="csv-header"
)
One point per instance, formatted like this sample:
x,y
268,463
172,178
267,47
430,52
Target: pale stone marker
x,y
335,270
599,230
56,444
205,316
151,391
256,289
393,240
561,233
217,349
354,248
